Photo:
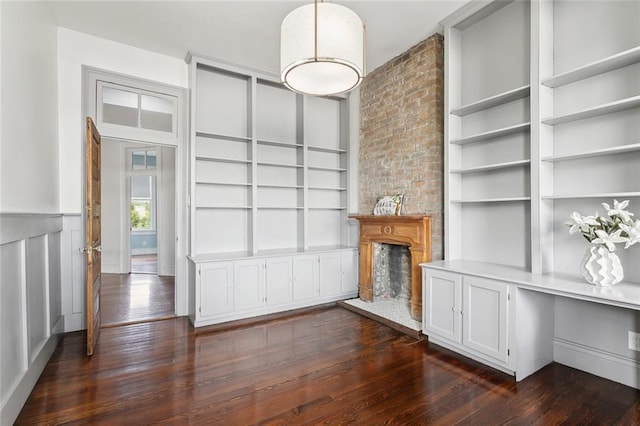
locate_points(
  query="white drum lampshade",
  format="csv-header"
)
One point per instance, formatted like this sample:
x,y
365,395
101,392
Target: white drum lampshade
x,y
322,49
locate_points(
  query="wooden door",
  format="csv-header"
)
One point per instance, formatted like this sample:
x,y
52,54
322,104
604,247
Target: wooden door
x,y
92,248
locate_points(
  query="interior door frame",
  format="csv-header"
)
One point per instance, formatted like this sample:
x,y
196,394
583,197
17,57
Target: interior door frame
x,y
90,78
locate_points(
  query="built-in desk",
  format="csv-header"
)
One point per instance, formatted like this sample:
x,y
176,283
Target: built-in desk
x,y
505,317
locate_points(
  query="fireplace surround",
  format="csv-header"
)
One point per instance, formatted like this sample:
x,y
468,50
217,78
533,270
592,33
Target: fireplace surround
x,y
413,231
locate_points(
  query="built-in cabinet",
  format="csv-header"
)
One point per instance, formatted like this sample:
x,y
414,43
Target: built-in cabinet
x,y
227,290
542,118
268,195
468,313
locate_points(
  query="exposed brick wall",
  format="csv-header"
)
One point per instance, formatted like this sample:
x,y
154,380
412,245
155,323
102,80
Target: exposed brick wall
x,y
402,133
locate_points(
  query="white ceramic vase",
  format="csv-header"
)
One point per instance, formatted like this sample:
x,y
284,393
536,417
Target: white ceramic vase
x,y
601,267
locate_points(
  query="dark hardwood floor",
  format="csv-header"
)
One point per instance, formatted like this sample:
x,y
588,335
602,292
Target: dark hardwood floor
x,y
328,366
128,298
144,264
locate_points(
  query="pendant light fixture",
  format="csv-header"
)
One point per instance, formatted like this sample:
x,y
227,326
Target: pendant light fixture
x,y
322,49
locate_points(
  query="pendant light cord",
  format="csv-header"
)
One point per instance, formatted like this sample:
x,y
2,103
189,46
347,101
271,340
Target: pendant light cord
x,y
315,32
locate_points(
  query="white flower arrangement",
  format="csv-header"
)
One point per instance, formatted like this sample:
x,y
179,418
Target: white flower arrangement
x,y
617,227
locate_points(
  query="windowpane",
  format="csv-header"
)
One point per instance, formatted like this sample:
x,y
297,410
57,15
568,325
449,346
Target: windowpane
x,y
141,187
143,203
151,159
140,214
119,107
138,160
157,113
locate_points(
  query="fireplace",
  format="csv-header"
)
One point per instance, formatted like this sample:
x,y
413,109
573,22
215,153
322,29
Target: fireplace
x,y
413,232
391,272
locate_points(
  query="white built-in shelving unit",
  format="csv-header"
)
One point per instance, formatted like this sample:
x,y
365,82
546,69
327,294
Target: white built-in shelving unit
x,y
488,158
268,178
269,166
542,118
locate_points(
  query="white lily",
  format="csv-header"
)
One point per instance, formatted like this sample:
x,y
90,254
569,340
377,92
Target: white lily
x,y
619,210
633,232
609,240
580,223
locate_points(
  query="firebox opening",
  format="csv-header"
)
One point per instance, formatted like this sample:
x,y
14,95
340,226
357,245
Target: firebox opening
x,y
391,273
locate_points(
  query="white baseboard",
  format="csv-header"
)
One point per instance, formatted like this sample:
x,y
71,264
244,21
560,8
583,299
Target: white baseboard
x,y
12,406
144,250
169,271
74,322
58,328
598,362
111,268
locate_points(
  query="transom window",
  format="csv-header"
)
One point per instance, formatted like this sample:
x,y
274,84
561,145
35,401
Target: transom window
x,y
143,160
136,109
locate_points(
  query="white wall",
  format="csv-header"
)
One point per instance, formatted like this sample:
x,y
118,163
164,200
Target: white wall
x,y
30,286
167,212
112,187
28,141
74,50
594,338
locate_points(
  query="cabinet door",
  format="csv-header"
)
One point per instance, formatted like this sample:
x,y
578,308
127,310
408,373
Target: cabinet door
x,y
215,286
330,273
248,284
441,302
305,277
349,266
485,316
279,280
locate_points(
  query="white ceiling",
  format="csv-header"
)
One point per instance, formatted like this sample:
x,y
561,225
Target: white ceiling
x,y
244,32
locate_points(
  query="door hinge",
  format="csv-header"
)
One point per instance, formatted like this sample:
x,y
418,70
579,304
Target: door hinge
x,y
199,271
508,296
200,309
508,352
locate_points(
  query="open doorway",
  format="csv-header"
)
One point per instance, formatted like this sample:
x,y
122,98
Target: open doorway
x,y
143,210
138,241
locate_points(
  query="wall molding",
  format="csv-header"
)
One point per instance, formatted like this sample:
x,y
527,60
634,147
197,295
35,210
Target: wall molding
x,y
598,362
20,226
31,294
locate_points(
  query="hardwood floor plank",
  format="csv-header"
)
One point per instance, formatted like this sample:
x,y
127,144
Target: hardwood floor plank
x,y
328,366
130,298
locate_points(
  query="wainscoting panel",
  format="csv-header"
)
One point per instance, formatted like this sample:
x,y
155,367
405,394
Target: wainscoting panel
x,y
30,304
72,272
13,327
55,289
37,294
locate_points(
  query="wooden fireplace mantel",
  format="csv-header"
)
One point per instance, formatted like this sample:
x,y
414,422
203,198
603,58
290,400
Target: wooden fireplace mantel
x,y
413,231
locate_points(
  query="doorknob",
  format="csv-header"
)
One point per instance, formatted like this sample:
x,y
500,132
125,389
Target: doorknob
x,y
97,247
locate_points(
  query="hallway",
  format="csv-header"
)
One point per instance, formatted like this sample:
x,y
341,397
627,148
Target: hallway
x,y
129,298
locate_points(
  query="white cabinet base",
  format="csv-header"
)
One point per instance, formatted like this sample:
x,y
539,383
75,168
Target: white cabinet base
x,y
469,354
233,289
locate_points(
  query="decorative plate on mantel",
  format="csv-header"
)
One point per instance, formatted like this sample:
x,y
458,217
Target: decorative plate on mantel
x,y
388,205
